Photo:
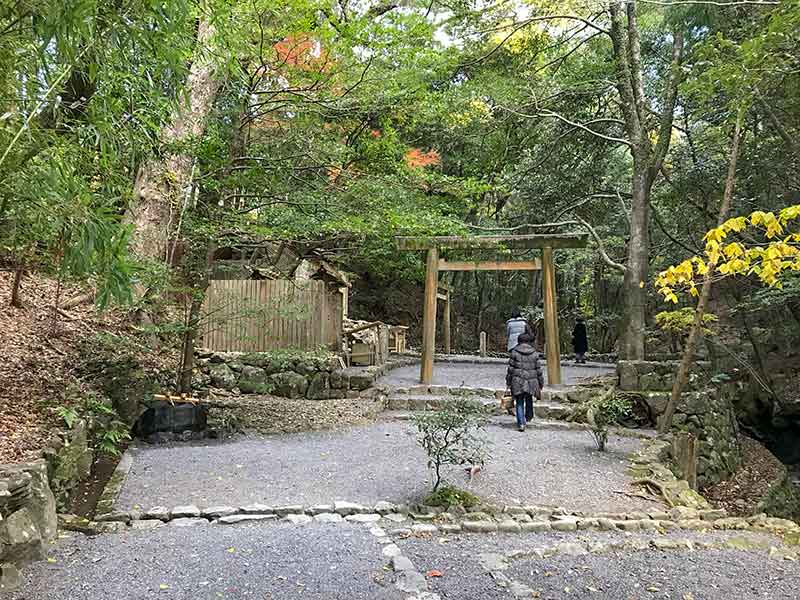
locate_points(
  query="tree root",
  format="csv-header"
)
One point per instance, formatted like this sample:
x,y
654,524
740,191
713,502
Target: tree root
x,y
655,485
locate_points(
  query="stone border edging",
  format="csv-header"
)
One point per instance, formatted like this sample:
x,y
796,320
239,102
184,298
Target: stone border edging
x,y
114,486
433,520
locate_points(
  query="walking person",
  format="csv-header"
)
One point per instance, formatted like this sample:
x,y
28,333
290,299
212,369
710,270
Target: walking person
x,y
516,326
524,378
579,342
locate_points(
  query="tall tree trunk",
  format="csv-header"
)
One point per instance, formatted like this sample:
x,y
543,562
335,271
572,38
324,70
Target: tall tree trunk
x,y
647,159
697,326
189,338
163,183
632,345
16,302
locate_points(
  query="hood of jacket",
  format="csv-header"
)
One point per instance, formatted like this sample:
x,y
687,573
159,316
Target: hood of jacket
x,y
525,349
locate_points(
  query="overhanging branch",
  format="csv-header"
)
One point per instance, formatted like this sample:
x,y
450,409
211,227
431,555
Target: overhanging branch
x,y
601,248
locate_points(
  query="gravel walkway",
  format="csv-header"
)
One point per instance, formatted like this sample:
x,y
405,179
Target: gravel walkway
x,y
673,574
274,561
490,376
380,461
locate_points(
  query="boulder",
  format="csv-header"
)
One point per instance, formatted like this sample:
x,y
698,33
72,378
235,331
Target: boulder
x,y
628,376
319,387
253,380
222,376
339,380
42,507
651,381
305,366
255,359
360,379
288,384
657,402
20,537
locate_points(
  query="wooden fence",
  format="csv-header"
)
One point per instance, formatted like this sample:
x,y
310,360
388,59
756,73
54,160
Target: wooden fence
x,y
247,315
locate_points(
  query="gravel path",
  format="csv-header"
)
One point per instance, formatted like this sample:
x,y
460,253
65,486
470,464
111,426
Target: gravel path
x,y
261,561
673,574
380,461
490,376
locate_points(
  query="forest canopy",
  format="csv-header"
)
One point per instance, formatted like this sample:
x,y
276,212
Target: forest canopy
x,y
138,136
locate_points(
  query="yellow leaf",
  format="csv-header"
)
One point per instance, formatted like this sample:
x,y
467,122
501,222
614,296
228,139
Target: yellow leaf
x,y
163,586
50,559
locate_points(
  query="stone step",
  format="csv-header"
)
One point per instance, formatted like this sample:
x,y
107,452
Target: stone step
x,y
431,402
543,410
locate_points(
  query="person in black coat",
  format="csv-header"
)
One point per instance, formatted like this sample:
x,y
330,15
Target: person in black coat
x,y
524,378
579,342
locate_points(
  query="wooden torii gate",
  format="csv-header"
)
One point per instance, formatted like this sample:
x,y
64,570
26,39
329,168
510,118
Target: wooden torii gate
x,y
434,264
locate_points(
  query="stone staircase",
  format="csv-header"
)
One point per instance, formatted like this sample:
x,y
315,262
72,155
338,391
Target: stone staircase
x,y
556,403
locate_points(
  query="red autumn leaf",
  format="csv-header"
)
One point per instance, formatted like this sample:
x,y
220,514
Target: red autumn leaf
x,y
417,158
434,573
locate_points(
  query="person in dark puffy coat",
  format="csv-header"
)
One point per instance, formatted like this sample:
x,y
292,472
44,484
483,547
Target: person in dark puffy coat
x,y
524,378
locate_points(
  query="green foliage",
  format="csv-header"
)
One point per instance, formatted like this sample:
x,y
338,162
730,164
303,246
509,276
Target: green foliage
x,y
111,436
449,495
452,436
680,321
607,410
68,414
83,86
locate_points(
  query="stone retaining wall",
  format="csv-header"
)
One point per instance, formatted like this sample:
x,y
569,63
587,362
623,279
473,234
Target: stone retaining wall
x,y
650,375
707,413
285,375
69,460
268,414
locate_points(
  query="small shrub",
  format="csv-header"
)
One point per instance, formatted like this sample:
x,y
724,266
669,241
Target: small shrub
x,y
451,436
609,409
109,438
68,414
449,495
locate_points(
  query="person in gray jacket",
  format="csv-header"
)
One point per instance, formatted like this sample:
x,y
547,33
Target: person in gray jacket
x,y
515,326
524,378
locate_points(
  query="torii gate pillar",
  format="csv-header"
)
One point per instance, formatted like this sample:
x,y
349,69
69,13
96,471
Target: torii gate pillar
x,y
552,352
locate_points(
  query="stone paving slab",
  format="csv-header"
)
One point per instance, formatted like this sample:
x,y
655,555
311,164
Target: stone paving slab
x,y
490,376
501,566
318,562
380,461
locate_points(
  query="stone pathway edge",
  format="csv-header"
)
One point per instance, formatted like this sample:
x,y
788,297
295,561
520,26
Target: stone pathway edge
x,y
506,519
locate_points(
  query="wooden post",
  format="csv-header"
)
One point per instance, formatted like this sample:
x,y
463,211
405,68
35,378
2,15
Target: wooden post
x,y
429,316
552,347
483,343
446,323
684,451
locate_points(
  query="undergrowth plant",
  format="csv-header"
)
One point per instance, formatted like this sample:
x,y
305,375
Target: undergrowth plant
x,y
607,410
452,436
108,432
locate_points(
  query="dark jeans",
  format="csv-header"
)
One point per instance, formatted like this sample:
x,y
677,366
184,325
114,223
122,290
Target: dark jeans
x,y
524,404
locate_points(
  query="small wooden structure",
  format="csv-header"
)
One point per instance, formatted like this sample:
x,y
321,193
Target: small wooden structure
x,y
375,351
397,338
434,264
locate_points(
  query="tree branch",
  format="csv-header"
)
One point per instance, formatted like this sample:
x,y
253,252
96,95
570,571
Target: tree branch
x,y
601,249
549,113
622,71
668,105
